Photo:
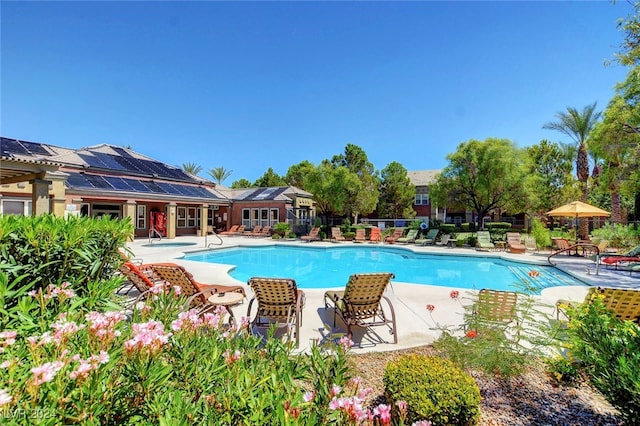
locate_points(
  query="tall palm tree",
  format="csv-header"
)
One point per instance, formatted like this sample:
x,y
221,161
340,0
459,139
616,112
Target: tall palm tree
x,y
219,174
577,125
192,168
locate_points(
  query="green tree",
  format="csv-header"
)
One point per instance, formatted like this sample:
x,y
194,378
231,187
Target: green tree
x,y
298,174
192,168
327,183
241,183
577,125
549,179
397,193
268,179
361,196
614,144
220,174
482,176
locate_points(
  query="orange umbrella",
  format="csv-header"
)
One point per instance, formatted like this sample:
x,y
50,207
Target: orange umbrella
x,y
578,209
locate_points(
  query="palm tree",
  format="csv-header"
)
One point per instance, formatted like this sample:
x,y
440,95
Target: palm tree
x,y
577,125
192,168
219,174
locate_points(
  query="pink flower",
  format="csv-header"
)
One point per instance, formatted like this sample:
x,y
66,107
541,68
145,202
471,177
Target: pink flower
x,y
383,412
430,307
308,396
7,338
177,290
64,329
46,372
5,398
454,294
230,358
402,406
102,326
335,390
421,423
345,343
148,336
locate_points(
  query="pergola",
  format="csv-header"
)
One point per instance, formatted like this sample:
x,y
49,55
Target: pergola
x,y
37,173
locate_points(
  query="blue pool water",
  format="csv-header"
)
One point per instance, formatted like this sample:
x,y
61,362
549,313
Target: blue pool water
x,y
320,267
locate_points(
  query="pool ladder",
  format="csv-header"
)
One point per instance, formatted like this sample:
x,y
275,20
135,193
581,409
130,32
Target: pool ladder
x,y
217,243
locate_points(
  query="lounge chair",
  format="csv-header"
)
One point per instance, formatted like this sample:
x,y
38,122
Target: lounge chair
x,y
430,238
561,245
361,236
197,293
624,303
264,232
514,243
484,241
313,235
375,236
360,304
632,255
397,233
496,305
256,230
336,234
279,304
138,277
231,231
409,238
446,241
530,244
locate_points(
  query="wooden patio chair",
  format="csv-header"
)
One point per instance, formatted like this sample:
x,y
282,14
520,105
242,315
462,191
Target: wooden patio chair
x,y
279,304
256,230
313,235
264,232
494,311
231,231
360,304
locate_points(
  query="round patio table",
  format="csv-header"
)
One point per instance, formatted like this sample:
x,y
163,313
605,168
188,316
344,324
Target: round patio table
x,y
227,300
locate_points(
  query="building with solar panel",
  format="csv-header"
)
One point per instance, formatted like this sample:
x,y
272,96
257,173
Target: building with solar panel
x,y
38,178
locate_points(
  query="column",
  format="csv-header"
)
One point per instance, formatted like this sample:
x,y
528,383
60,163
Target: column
x,y
40,197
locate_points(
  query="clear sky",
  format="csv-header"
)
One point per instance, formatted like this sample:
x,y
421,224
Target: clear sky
x,y
253,85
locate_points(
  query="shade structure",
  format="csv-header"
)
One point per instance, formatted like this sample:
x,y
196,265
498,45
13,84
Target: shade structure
x,y
578,209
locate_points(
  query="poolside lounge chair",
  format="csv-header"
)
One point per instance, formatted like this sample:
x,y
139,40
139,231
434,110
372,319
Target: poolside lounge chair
x,y
279,304
256,230
138,277
484,241
446,241
632,255
409,238
561,245
361,236
264,232
231,231
530,244
197,293
375,236
360,304
514,243
336,234
313,235
624,303
430,238
397,233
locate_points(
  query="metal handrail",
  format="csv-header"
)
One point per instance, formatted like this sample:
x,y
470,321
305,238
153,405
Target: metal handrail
x,y
575,247
208,245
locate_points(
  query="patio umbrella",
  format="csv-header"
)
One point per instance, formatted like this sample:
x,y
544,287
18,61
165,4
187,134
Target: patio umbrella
x,y
578,209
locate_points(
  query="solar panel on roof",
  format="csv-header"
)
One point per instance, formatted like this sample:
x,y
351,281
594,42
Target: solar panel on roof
x,y
137,185
118,183
109,161
76,180
154,188
168,188
13,147
121,151
98,182
93,161
35,148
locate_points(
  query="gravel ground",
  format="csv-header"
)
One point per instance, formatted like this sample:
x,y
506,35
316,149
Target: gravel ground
x,y
531,399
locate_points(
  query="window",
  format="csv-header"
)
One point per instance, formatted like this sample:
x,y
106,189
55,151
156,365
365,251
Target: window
x,y
421,200
16,207
112,210
246,217
264,217
141,217
182,217
274,216
192,218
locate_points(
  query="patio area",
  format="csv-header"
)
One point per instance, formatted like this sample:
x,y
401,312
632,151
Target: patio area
x,y
416,326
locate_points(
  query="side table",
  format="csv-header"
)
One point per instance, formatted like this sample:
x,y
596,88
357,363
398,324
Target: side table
x,y
227,300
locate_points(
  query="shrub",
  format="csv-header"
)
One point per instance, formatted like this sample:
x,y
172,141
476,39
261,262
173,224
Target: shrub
x,y
498,230
618,235
540,233
562,369
434,389
281,229
448,228
609,349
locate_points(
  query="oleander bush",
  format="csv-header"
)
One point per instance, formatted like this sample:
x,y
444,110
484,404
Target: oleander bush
x,y
619,235
434,389
609,351
67,357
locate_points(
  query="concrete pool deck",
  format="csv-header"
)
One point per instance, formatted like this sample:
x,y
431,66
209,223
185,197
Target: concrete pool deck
x,y
415,325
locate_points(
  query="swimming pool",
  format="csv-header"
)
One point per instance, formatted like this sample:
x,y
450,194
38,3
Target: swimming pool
x,y
327,267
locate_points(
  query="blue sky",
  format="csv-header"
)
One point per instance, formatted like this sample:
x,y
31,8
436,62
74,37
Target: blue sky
x,y
253,85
